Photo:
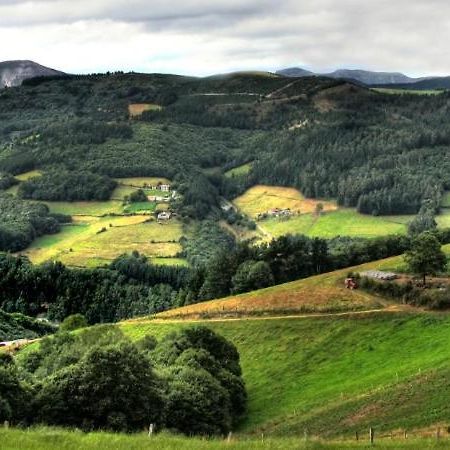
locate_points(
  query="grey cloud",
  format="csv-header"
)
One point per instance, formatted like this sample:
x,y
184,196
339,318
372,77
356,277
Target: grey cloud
x,y
322,34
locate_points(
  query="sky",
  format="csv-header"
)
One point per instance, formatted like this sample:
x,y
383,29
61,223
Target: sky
x,y
204,37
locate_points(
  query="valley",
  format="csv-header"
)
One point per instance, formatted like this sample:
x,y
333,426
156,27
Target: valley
x,y
143,217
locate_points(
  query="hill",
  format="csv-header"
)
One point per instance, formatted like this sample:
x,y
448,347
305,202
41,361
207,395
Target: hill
x,y
366,77
335,375
13,73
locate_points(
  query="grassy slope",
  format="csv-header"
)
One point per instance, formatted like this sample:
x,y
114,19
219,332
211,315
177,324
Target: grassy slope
x,y
261,198
344,222
333,374
331,223
90,249
337,375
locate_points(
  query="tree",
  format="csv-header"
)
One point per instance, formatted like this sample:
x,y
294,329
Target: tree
x,y
424,221
137,196
73,322
425,256
112,387
252,275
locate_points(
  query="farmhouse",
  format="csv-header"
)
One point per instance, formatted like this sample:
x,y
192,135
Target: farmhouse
x,y
157,198
164,215
277,212
164,187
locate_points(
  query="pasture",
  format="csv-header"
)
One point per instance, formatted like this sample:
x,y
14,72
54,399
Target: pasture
x,y
343,222
91,208
92,241
259,199
335,375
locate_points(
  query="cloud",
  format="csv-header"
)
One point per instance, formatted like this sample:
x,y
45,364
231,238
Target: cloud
x,y
203,36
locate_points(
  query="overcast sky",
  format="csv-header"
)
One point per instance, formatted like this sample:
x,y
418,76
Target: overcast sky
x,y
201,37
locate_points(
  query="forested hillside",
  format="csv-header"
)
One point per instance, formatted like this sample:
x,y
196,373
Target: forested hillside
x,y
384,154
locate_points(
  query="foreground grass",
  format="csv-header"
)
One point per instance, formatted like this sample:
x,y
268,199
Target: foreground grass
x,y
58,439
337,375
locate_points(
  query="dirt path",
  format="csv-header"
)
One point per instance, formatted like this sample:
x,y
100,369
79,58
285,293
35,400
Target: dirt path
x,y
390,309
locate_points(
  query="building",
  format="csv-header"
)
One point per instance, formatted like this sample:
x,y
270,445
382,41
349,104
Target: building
x,y
164,187
164,215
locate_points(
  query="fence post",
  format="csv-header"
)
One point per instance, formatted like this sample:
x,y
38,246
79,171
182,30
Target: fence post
x,y
151,429
262,437
229,436
406,434
438,433
371,435
356,435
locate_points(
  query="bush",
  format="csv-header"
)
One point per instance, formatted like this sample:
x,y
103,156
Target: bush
x,y
73,322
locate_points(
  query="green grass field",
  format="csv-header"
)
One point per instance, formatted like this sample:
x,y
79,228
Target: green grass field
x,y
80,244
59,439
140,207
344,222
93,208
337,375
333,221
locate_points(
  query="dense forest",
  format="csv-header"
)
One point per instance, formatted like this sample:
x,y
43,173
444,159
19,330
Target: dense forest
x,y
132,286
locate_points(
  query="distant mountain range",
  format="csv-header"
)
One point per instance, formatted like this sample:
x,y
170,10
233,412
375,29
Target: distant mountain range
x,y
12,73
362,76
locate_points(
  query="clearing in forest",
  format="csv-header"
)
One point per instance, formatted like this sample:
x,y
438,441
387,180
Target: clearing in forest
x,y
260,199
136,109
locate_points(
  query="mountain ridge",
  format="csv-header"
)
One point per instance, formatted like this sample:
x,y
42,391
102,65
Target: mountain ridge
x,y
363,76
14,72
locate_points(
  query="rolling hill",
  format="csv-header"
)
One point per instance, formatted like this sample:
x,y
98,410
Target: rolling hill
x,y
12,73
342,360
